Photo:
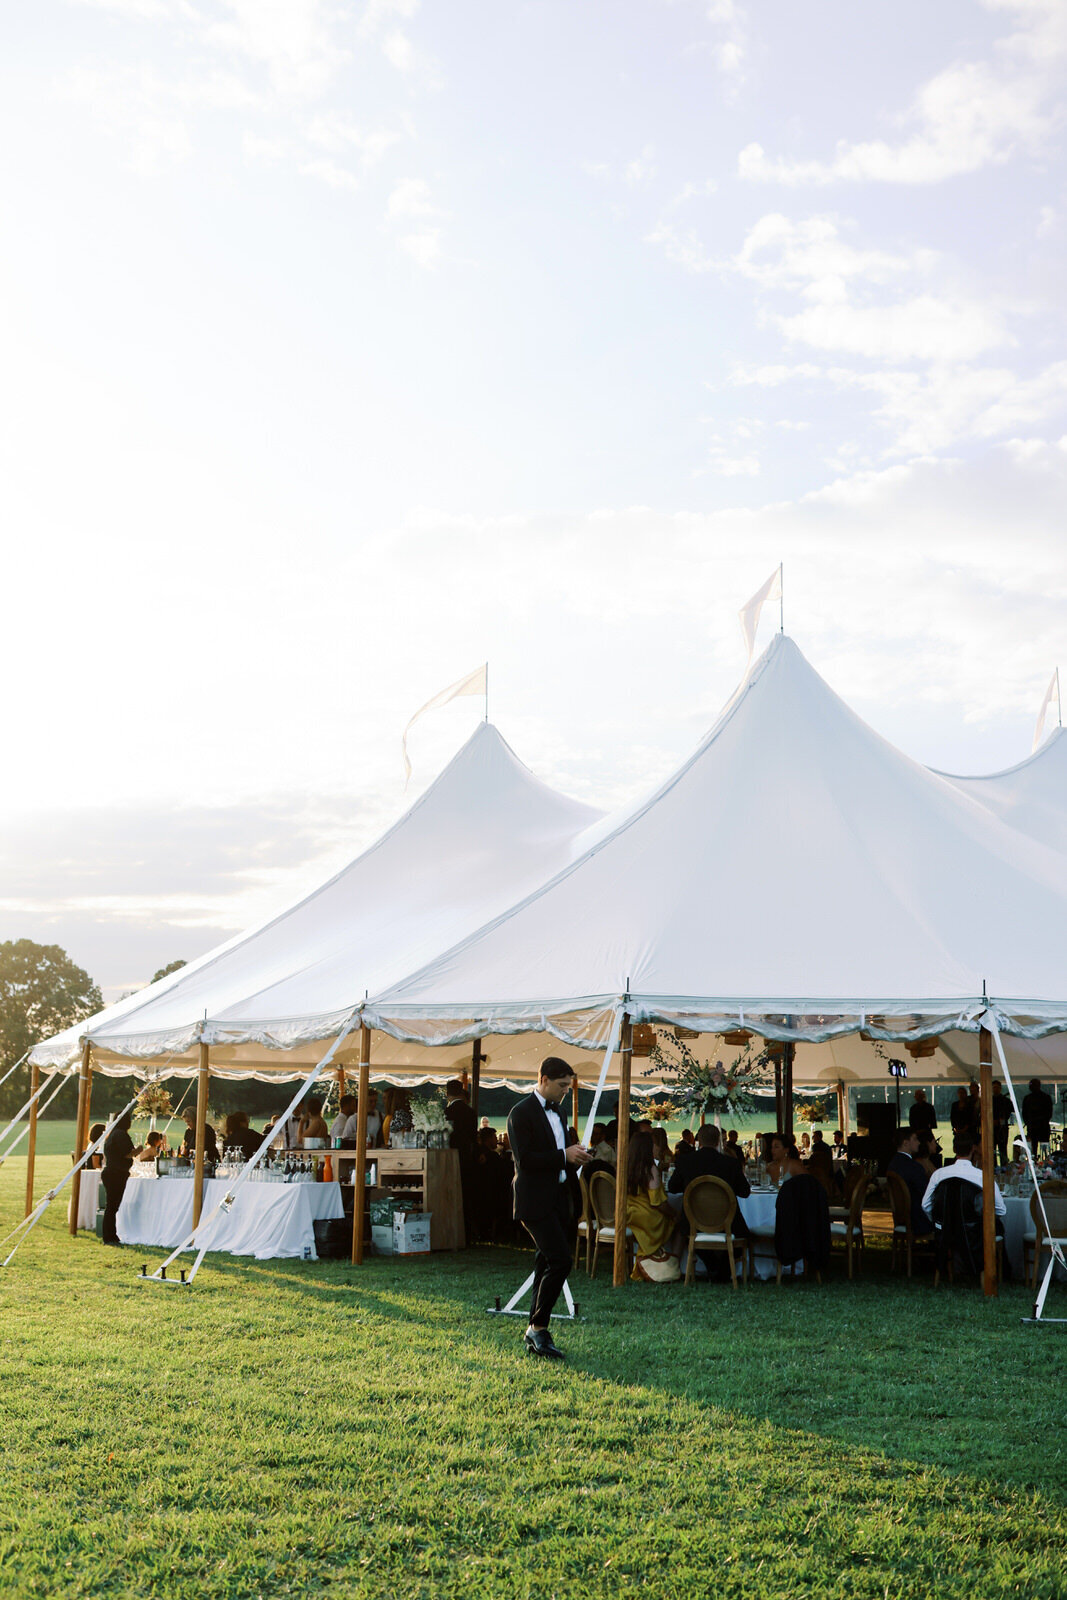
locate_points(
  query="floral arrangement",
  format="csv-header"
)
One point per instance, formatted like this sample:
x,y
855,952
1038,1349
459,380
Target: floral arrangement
x,y
812,1111
428,1114
702,1086
153,1101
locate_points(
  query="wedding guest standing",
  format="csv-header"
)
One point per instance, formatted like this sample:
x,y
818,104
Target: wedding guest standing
x,y
1037,1115
119,1151
541,1153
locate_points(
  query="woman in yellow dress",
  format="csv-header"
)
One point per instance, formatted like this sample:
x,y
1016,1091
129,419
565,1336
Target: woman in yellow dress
x,y
648,1214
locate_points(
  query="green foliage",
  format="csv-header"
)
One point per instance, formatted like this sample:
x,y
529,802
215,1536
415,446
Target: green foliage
x,y
313,1429
165,972
703,1086
42,992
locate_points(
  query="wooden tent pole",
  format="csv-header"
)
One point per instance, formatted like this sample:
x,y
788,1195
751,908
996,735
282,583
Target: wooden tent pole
x,y
787,1085
81,1131
359,1177
31,1147
989,1218
476,1075
622,1153
203,1077
779,1120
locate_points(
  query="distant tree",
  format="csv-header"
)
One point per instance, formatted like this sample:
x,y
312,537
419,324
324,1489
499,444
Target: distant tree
x,y
165,972
42,992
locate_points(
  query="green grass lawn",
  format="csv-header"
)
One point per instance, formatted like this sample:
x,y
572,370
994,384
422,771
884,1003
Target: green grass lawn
x,y
310,1429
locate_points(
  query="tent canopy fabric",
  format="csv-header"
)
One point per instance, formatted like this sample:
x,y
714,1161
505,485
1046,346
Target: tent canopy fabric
x,y
797,875
1031,796
485,833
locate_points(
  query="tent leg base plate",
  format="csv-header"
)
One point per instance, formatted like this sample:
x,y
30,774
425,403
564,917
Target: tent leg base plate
x,y
1044,1322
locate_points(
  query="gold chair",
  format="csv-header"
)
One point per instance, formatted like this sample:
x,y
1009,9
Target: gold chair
x,y
1039,1241
711,1205
850,1231
602,1205
904,1239
586,1225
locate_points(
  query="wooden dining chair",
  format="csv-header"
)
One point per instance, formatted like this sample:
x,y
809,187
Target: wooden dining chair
x,y
850,1231
586,1225
602,1205
711,1206
1037,1237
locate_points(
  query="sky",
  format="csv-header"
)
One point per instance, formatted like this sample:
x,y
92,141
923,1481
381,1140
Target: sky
x,y
347,346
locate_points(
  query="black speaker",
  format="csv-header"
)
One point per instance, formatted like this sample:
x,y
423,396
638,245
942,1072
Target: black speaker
x,y
878,1120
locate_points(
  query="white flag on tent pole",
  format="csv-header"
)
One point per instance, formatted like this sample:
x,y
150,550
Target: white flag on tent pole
x,y
1051,693
476,682
750,613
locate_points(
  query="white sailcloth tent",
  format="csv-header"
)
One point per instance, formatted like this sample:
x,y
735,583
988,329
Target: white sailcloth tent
x,y
1031,796
485,833
797,876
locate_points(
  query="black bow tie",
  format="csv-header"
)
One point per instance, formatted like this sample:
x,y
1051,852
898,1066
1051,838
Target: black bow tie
x,y
550,1105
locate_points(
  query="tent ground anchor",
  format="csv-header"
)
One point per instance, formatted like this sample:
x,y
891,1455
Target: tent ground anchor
x,y
1044,1322
512,1309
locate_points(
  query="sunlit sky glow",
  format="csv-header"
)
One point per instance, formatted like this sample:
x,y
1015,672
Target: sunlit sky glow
x,y
347,346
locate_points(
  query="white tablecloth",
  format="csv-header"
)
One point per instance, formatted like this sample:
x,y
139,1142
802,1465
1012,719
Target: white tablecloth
x,y
758,1211
268,1220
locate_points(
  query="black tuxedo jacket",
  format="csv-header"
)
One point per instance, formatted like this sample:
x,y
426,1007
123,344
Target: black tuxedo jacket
x,y
464,1135
538,1161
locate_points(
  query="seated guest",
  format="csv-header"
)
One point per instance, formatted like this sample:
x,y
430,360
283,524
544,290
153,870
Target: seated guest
x,y
968,1166
599,1148
97,1161
961,1114
661,1151
928,1154
906,1165
345,1108
188,1144
708,1161
689,1138
732,1148
785,1159
154,1145
837,1149
648,1214
312,1122
805,1146
821,1166
483,1124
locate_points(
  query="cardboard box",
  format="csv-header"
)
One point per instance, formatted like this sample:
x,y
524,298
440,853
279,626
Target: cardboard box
x,y
411,1233
382,1211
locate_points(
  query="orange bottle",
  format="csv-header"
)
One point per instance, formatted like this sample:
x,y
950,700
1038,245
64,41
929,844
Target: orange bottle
x,y
327,1169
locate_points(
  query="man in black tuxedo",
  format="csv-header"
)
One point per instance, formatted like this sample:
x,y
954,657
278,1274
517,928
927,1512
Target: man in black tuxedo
x,y
906,1165
538,1138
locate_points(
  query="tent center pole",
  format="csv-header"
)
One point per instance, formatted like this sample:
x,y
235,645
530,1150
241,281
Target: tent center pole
x,y
622,1153
359,1176
476,1075
989,1218
788,1053
81,1132
31,1148
203,1077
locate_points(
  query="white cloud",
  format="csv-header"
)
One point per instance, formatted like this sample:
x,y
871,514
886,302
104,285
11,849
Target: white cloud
x,y
642,168
924,328
1047,222
411,198
399,51
296,41
378,13
423,247
683,247
328,172
771,376
336,132
971,115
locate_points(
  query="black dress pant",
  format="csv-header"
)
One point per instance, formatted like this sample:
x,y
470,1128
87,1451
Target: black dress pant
x,y
552,1261
114,1188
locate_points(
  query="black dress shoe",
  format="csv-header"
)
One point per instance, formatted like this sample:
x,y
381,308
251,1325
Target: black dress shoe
x,y
539,1342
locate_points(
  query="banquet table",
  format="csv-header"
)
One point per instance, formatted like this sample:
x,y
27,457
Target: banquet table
x,y
757,1209
267,1220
